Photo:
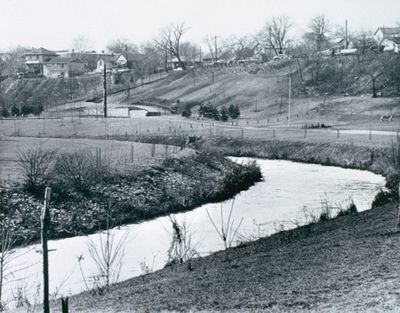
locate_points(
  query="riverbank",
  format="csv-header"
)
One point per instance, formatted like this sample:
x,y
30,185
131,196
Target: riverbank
x,y
178,184
350,263
380,160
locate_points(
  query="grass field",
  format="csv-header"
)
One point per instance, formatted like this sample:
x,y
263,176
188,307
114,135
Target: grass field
x,y
117,154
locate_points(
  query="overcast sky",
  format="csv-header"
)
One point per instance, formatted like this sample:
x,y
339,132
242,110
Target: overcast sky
x,y
54,23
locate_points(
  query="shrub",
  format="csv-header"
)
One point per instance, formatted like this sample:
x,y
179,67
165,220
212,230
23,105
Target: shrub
x,y
34,164
349,210
78,171
15,111
233,111
186,112
223,114
27,109
4,112
383,198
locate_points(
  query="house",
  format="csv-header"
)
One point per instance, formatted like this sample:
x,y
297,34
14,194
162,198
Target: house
x,y
130,60
109,60
89,58
386,33
35,58
60,67
391,44
388,38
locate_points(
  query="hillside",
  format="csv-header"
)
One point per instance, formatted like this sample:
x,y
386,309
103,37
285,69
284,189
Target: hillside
x,y
261,91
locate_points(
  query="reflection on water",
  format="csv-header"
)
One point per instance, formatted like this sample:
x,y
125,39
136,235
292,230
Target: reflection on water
x,y
286,189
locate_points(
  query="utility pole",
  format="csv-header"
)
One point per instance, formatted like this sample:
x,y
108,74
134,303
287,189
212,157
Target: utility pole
x,y
216,49
105,90
346,36
45,221
128,91
290,97
270,43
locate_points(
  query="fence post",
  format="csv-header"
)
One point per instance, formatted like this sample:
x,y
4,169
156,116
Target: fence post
x,y
242,132
398,214
132,152
64,304
305,132
45,221
273,133
338,133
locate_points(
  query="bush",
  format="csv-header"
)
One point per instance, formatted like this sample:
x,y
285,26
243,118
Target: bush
x,y
233,111
4,112
15,111
78,171
26,109
34,164
223,114
383,198
186,112
349,210
239,178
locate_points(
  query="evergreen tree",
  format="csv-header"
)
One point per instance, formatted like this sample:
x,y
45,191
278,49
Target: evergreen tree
x,y
15,111
224,114
4,112
234,111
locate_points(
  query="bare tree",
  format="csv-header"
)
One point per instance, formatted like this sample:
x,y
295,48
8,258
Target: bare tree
x,y
374,64
13,61
122,45
107,253
317,34
34,164
275,36
81,43
170,40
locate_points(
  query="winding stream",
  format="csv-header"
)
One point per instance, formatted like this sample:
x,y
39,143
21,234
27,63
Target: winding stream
x,y
290,192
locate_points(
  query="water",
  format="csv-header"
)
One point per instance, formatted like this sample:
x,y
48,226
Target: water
x,y
278,200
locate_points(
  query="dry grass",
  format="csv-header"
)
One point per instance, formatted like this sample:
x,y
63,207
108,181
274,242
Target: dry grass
x,y
116,153
343,265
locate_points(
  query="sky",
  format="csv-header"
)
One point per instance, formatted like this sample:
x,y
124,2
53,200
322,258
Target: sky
x,y
54,23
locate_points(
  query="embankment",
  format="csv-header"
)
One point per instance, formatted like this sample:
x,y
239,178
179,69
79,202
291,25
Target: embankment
x,y
178,184
346,264
384,161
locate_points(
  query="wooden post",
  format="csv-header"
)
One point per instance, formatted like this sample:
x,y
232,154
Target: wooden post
x,y
45,221
398,214
105,91
64,304
338,134
290,98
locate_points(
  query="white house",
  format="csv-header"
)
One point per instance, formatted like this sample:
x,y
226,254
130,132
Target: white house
x,y
386,32
391,44
108,60
388,38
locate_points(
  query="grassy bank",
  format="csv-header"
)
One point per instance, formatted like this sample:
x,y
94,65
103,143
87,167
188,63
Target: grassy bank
x,y
82,205
380,160
347,264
